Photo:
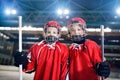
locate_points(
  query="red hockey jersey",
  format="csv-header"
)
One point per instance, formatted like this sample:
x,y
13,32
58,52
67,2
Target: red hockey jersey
x,y
48,61
83,59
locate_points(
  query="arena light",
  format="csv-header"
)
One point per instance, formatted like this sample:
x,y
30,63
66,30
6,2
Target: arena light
x,y
118,11
67,17
66,11
10,11
63,11
7,12
59,11
13,11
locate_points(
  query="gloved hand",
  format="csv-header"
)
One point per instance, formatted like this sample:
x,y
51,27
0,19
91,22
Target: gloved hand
x,y
21,58
103,69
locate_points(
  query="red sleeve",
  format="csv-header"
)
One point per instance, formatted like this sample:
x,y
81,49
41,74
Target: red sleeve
x,y
31,60
64,62
95,52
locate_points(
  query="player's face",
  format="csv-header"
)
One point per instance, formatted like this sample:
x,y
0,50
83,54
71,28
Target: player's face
x,y
52,31
76,30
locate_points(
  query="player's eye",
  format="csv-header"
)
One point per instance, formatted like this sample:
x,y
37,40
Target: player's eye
x,y
54,32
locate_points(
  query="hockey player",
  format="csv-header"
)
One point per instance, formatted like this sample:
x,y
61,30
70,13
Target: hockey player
x,y
47,58
85,56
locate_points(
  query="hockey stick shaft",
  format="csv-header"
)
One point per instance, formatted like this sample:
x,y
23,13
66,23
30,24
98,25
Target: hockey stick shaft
x,y
102,45
102,41
20,45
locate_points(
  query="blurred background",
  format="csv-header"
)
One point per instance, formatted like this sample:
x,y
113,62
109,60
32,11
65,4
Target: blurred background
x,y
35,13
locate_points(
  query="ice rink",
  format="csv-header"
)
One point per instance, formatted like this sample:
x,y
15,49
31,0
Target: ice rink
x,y
12,73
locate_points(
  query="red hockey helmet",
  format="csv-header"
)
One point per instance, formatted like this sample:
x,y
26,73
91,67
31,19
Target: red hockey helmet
x,y
77,20
52,24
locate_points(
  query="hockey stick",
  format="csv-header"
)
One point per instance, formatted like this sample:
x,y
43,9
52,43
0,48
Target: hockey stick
x,y
20,45
102,45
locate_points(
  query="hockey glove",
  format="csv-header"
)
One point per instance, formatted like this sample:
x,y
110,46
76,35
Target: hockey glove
x,y
103,69
21,58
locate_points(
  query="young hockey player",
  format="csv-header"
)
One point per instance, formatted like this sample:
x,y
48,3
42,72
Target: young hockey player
x,y
85,56
47,58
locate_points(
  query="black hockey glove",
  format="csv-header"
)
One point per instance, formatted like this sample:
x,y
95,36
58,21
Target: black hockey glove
x,y
103,69
21,58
